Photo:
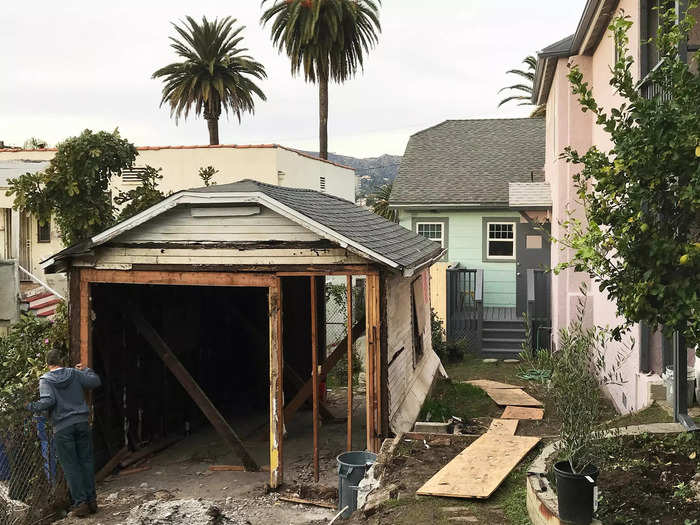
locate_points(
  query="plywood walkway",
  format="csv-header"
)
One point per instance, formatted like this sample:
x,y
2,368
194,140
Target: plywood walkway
x,y
507,427
522,413
480,468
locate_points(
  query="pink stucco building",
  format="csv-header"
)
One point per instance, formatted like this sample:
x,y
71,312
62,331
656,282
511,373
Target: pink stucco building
x,y
591,47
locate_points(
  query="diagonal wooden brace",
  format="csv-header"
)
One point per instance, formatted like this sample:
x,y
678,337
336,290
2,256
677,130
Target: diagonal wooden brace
x,y
307,389
191,387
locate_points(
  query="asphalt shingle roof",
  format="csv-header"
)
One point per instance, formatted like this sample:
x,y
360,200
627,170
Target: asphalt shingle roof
x,y
529,194
386,238
470,161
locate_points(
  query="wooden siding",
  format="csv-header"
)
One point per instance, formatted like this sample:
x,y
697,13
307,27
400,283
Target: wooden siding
x,y
409,381
249,235
179,225
123,257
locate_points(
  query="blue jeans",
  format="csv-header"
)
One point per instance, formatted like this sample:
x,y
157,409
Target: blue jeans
x,y
74,450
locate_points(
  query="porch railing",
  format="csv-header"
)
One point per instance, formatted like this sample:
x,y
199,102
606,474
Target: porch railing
x,y
39,281
465,306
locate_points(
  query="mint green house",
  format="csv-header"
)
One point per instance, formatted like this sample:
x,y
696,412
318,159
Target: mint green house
x,y
477,187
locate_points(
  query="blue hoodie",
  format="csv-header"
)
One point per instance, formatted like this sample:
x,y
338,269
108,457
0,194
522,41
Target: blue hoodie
x,y
61,393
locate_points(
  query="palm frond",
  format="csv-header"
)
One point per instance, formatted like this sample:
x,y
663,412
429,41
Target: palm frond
x,y
323,39
215,73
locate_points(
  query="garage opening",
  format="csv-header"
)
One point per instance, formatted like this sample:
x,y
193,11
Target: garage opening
x,y
219,334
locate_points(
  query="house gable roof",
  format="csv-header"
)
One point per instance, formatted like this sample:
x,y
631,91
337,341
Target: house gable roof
x,y
333,218
590,30
469,162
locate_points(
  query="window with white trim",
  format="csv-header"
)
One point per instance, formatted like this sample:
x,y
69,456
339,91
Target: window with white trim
x,y
432,230
500,240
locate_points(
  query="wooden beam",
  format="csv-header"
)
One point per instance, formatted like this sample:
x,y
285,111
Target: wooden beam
x,y
306,391
74,315
276,389
349,344
298,382
369,367
190,385
85,357
373,390
314,371
178,278
111,465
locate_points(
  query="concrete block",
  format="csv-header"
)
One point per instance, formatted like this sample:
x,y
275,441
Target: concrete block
x,y
430,427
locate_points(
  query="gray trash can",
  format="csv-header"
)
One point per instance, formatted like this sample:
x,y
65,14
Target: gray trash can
x,y
351,469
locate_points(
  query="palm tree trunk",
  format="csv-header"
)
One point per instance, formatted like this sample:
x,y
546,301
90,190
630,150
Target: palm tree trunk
x,y
213,124
323,115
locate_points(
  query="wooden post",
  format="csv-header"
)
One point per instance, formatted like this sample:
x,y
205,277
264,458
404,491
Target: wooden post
x,y
276,391
349,339
369,364
75,317
190,386
373,372
85,354
314,370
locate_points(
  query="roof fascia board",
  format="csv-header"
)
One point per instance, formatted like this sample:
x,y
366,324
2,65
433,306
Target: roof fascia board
x,y
590,12
581,42
446,205
186,197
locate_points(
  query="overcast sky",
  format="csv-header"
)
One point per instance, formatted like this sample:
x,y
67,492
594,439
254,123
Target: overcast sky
x,y
71,65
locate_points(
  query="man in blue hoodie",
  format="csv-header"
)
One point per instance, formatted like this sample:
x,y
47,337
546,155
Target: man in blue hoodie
x,y
61,392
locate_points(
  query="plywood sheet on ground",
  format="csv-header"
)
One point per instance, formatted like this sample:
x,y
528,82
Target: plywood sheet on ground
x,y
522,413
504,426
513,397
487,384
480,468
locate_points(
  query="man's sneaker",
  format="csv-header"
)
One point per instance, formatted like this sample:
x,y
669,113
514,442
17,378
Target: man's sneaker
x,y
81,511
92,505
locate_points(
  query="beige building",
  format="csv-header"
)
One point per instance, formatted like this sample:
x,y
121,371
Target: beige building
x,y
269,163
24,240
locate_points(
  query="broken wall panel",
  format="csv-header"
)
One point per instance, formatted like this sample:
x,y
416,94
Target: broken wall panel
x,y
410,376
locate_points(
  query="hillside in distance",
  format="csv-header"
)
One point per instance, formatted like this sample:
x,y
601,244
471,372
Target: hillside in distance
x,y
372,172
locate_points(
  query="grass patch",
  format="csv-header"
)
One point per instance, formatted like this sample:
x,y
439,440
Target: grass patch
x,y
473,367
456,399
652,414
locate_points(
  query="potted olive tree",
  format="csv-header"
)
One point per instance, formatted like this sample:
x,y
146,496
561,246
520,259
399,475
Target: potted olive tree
x,y
579,372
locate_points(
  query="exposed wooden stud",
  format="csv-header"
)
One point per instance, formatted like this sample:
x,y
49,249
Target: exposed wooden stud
x,y
369,366
75,317
349,340
85,357
276,390
190,385
314,371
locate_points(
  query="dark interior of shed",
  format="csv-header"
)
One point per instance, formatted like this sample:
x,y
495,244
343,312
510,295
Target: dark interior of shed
x,y
221,336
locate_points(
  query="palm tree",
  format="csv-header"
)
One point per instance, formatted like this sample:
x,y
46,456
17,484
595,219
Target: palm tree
x,y
214,75
324,39
526,87
379,202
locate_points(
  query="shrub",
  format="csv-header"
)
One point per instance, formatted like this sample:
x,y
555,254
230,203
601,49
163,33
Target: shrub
x,y
579,370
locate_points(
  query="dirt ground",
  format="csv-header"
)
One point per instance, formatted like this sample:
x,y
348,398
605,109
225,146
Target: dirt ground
x,y
652,479
180,473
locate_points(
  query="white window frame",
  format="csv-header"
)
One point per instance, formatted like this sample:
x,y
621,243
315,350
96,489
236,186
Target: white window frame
x,y
488,241
441,240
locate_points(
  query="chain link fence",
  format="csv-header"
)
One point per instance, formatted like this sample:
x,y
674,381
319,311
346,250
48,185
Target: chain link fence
x,y
32,488
336,323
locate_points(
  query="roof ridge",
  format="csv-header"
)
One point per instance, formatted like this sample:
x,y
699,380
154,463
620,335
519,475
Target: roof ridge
x,y
476,120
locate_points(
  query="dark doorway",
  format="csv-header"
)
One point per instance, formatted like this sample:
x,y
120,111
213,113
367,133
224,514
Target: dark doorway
x,y
532,252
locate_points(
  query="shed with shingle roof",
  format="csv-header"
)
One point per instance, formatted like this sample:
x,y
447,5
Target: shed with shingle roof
x,y
237,282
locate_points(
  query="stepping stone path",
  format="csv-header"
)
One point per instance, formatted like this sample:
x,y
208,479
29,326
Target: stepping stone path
x,y
490,360
511,360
